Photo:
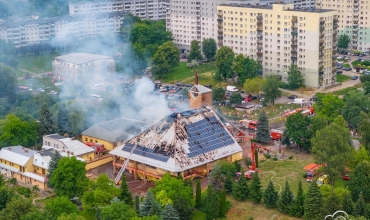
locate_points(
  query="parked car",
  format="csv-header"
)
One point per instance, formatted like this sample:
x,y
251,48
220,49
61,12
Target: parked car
x,y
348,58
339,71
340,62
340,57
40,90
180,84
347,68
292,97
354,77
53,92
366,72
313,99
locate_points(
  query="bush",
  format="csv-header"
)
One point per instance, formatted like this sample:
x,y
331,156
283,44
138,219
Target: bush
x,y
283,85
268,156
290,157
247,161
24,191
228,205
275,158
193,64
305,175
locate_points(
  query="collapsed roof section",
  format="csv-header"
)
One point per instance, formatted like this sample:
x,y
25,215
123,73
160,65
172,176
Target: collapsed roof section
x,y
182,141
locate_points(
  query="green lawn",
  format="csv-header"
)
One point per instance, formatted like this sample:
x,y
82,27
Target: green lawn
x,y
199,215
342,78
346,65
359,63
36,63
181,73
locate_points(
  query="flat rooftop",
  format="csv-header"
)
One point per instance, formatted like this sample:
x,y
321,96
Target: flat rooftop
x,y
81,58
269,6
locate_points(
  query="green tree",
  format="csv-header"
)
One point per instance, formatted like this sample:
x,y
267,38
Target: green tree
x,y
360,207
183,207
339,120
360,155
360,178
254,85
366,87
237,166
297,207
125,194
209,48
332,204
236,99
217,178
286,199
59,205
212,208
240,189
354,103
76,120
69,178
263,129
146,208
17,132
297,129
343,41
17,208
331,146
295,77
166,58
314,202
270,196
255,190
329,106
72,216
47,125
53,165
198,196
238,66
7,82
5,196
137,204
36,215
271,89
317,123
245,68
63,124
229,184
195,53
169,213
223,204
218,94
364,130
224,62
117,211
347,203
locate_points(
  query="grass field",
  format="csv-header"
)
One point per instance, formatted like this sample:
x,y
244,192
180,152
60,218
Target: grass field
x,y
37,63
198,215
342,78
183,73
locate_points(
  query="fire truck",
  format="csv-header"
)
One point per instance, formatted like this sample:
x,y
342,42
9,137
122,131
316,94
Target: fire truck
x,y
276,134
99,148
250,124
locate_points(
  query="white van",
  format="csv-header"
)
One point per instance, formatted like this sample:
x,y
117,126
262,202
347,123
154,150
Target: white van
x,y
298,101
96,97
231,89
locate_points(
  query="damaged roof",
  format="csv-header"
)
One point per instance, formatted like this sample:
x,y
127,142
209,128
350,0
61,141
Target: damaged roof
x,y
182,141
116,130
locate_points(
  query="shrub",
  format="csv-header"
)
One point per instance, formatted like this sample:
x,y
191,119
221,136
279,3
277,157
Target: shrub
x,y
247,161
275,158
283,85
268,156
305,175
228,205
290,157
193,64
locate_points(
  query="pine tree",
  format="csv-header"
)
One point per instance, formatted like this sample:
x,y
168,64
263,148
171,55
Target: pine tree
x,y
169,213
347,203
256,157
255,192
198,196
237,166
313,204
156,207
137,204
98,213
46,122
360,207
286,199
263,130
332,204
223,204
228,184
270,196
183,207
125,194
240,189
212,204
146,206
297,206
53,165
63,124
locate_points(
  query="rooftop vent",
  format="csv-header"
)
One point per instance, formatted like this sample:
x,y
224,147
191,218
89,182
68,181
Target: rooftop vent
x,y
26,150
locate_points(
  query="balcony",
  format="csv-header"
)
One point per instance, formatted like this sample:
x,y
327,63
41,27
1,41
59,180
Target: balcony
x,y
335,26
259,53
259,18
259,48
294,33
322,28
198,14
294,57
294,39
259,23
260,59
220,37
220,25
219,20
259,41
322,47
198,24
322,22
259,28
294,19
220,31
294,26
294,51
355,5
355,19
321,42
335,21
294,43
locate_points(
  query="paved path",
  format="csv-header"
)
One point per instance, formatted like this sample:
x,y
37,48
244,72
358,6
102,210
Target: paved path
x,y
34,75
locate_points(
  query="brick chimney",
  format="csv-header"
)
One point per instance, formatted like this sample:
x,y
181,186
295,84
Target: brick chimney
x,y
66,135
196,77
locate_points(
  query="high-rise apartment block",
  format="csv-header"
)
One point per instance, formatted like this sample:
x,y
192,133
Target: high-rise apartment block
x,y
197,20
354,21
281,35
145,9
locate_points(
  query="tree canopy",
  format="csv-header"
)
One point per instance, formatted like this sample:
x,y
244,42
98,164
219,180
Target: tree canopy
x,y
297,130
245,68
360,178
343,41
254,85
7,82
209,48
18,132
59,205
295,77
329,106
166,58
218,94
224,61
271,89
195,53
354,104
236,99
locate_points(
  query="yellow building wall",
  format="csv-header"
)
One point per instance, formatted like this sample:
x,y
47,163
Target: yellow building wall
x,y
88,156
97,163
236,156
29,166
40,170
108,145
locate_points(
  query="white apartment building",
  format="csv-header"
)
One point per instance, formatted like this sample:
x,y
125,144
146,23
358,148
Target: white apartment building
x,y
281,35
354,21
145,9
197,20
35,31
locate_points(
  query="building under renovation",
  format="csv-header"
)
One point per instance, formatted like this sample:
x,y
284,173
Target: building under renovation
x,y
187,143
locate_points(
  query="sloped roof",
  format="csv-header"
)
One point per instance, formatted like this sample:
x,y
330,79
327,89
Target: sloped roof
x,y
201,89
182,141
78,148
42,160
35,176
116,130
61,152
17,154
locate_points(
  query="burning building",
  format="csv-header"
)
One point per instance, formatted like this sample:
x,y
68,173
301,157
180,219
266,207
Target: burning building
x,y
187,143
